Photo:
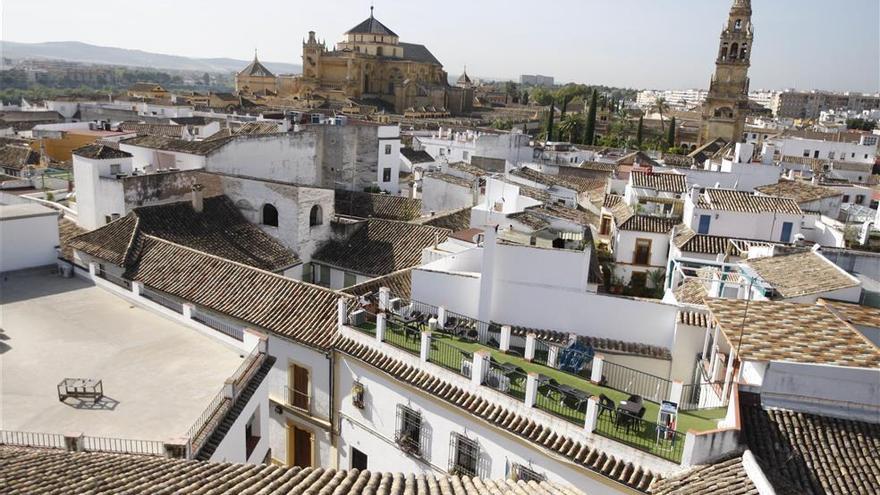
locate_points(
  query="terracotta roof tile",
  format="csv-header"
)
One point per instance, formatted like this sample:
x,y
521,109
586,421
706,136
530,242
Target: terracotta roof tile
x,y
205,147
690,242
744,202
798,190
662,181
644,223
854,314
800,274
369,205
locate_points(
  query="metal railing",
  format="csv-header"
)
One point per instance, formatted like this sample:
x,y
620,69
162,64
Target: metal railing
x,y
404,337
126,284
635,382
162,300
245,371
639,433
450,357
542,352
123,446
32,439
508,381
557,401
221,325
701,396
296,399
205,424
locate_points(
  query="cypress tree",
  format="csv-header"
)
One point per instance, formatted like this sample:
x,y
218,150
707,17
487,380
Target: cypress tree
x,y
670,136
640,130
550,123
590,127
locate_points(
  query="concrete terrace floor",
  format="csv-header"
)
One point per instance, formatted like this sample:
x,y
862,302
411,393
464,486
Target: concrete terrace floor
x,y
158,375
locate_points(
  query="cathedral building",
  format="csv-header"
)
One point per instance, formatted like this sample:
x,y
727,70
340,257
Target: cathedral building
x,y
371,66
727,103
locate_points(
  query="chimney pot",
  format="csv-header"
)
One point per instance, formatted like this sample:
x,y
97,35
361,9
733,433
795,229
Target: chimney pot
x,y
198,200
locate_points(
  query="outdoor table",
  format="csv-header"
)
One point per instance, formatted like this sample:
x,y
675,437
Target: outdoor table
x,y
508,368
631,408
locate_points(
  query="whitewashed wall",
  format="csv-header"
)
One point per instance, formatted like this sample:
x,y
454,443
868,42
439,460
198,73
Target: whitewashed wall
x,y
28,242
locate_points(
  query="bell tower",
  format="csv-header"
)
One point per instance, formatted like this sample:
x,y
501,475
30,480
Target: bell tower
x,y
726,106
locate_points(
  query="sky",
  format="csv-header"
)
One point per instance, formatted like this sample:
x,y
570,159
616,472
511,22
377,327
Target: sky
x,y
658,44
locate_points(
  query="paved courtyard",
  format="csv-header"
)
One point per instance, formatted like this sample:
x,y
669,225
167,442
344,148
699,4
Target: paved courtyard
x,y
158,375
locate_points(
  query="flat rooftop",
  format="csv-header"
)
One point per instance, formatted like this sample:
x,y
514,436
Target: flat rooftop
x,y
158,376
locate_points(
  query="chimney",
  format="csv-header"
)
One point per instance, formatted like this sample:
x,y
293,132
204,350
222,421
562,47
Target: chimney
x,y
198,200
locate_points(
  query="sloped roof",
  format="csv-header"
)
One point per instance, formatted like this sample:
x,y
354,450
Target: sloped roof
x,y
785,331
416,156
662,181
854,314
164,143
369,205
454,220
645,223
418,53
167,130
689,241
256,69
399,282
798,190
568,182
145,86
371,25
100,152
799,274
380,247
728,477
219,230
45,471
18,157
745,202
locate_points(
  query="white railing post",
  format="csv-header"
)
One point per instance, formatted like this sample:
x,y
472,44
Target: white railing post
x,y
341,315
441,317
675,391
480,367
592,415
596,372
426,346
728,375
74,442
176,448
504,345
229,388
93,270
552,355
384,298
531,389
137,288
530,346
380,327
187,308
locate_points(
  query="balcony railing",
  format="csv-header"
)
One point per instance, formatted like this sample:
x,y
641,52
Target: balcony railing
x,y
162,300
296,399
450,357
123,446
642,434
637,382
32,439
126,284
223,326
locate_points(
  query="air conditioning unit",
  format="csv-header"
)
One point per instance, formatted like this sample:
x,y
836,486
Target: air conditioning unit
x,y
395,304
357,317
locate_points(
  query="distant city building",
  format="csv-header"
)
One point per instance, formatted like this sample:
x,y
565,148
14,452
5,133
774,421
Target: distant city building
x,y
536,80
810,104
680,99
724,113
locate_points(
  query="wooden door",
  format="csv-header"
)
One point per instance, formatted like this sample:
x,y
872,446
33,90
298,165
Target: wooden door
x,y
299,387
299,446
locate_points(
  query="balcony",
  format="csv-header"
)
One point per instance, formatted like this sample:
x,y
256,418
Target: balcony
x,y
561,393
299,401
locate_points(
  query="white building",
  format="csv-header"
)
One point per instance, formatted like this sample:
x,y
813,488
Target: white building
x,y
28,236
97,170
738,214
491,150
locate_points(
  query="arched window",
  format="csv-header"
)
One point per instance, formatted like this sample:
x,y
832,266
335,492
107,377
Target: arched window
x,y
270,215
316,216
724,51
743,52
734,48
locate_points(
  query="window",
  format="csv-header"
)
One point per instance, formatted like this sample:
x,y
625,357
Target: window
x,y
816,154
270,215
522,473
705,220
806,153
358,460
860,198
785,236
409,430
387,149
316,216
605,226
831,155
846,198
463,455
252,433
642,254
442,151
298,388
115,169
350,279
386,175
464,155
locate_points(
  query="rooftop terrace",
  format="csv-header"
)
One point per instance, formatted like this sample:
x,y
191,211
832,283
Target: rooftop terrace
x,y
158,376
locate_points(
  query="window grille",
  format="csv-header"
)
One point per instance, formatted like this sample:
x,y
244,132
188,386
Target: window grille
x,y
409,430
523,473
463,455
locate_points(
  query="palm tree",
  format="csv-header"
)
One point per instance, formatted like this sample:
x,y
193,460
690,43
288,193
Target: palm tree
x,y
661,106
569,126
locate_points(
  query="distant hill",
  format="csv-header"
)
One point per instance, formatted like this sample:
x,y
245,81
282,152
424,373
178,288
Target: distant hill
x,y
74,51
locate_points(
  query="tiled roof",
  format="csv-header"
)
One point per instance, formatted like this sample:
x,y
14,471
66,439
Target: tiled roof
x,y
798,190
297,310
599,166
577,216
693,318
371,26
574,183
418,53
542,435
727,477
618,207
399,282
257,128
451,179
369,205
416,156
67,230
256,69
800,274
49,471
532,192
785,331
854,314
672,160
818,455
530,219
100,152
468,168
453,220
182,146
664,182
145,86
692,291
599,343
380,247
18,157
744,202
644,223
690,242
167,130
220,230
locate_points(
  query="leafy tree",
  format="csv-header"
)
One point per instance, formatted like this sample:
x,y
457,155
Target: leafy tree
x,y
524,99
541,96
661,107
570,126
640,130
670,136
861,124
590,127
